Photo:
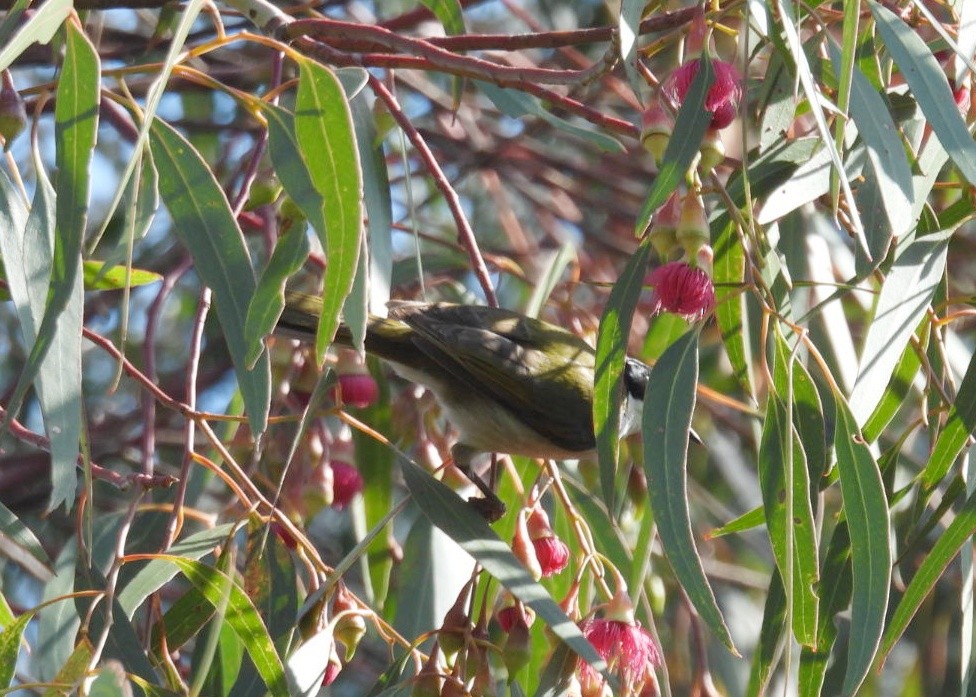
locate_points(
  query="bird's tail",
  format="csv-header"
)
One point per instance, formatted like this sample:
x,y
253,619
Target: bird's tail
x,y
389,339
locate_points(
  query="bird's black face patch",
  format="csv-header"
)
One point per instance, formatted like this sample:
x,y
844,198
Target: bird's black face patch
x,y
636,375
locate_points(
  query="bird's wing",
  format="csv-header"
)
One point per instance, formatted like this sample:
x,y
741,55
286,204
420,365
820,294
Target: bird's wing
x,y
525,365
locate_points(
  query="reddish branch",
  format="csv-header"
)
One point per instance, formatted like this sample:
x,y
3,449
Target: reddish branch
x,y
338,35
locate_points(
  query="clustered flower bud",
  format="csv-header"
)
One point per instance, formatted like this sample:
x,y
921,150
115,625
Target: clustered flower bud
x,y
356,387
656,128
552,553
13,115
663,232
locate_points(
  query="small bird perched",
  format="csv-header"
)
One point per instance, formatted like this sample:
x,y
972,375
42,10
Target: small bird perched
x,y
509,383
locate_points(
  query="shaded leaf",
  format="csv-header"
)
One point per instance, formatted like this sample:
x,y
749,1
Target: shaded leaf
x,y
611,350
39,28
905,296
446,510
205,224
672,390
516,104
290,252
867,518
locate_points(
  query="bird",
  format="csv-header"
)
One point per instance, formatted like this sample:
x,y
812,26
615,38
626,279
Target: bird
x,y
509,383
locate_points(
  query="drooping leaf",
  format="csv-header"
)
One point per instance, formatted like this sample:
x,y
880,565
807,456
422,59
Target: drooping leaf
x,y
929,87
516,104
959,532
905,296
39,28
268,301
671,390
205,224
691,123
867,518
327,140
611,350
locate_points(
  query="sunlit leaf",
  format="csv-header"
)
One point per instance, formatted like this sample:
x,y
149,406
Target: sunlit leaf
x,y
327,141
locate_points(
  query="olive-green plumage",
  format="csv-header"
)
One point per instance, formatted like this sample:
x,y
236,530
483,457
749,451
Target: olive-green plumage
x,y
510,383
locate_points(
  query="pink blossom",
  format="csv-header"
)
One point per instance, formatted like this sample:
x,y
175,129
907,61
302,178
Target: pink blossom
x,y
552,553
723,96
682,289
630,651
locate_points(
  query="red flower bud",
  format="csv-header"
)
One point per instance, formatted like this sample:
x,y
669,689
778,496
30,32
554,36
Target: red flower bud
x,y
347,482
722,98
357,390
552,553
656,128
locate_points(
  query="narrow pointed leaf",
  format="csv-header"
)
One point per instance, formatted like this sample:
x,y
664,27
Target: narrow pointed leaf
x,y
205,224
867,519
667,421
611,350
959,426
241,615
929,87
447,511
905,296
959,532
690,125
327,141
290,252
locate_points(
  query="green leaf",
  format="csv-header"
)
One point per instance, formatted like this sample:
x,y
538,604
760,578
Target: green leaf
x,y
959,426
690,125
729,271
670,402
290,252
905,297
611,350
39,28
449,13
447,511
157,572
896,393
76,122
959,532
770,636
12,528
929,86
99,276
628,30
516,104
867,518
835,594
241,615
10,639
785,483
379,222
327,141
747,521
205,224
